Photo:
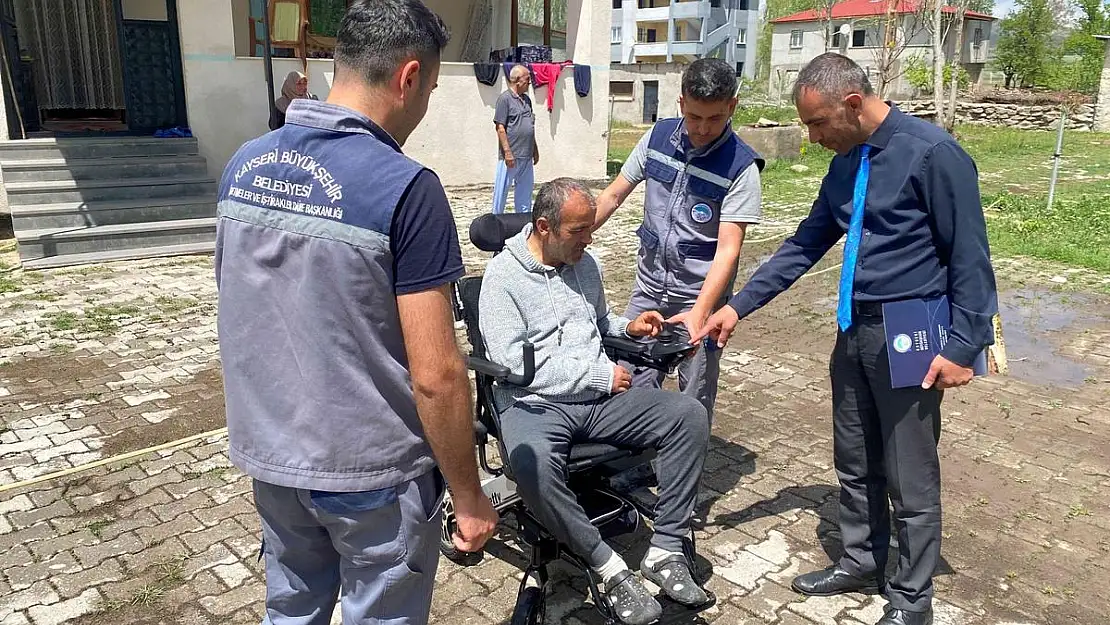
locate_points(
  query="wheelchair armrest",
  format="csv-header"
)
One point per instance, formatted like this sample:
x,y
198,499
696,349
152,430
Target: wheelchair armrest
x,y
625,347
498,372
485,367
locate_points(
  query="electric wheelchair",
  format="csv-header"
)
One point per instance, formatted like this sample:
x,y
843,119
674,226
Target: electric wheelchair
x,y
589,466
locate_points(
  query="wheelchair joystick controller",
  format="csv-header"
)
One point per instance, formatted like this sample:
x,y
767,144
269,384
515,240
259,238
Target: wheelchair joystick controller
x,y
666,334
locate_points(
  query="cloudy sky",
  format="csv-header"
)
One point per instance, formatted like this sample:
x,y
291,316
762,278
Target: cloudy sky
x,y
1002,7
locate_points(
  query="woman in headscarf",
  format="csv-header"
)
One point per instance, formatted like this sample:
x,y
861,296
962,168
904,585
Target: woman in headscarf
x,y
295,86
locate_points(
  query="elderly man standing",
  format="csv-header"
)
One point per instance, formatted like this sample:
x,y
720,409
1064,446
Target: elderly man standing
x,y
517,152
347,398
907,196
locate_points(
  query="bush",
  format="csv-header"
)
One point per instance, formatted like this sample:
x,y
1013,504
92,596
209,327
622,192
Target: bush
x,y
919,75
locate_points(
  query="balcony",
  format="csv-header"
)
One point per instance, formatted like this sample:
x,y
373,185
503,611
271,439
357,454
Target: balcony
x,y
690,10
658,48
690,48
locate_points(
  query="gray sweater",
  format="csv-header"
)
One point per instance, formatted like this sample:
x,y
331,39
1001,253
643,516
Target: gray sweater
x,y
562,311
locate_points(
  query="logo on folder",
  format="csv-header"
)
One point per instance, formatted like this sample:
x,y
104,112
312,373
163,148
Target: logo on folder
x,y
916,332
902,343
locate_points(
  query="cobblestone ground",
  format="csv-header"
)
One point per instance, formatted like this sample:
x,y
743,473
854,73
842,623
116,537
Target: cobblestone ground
x,y
105,360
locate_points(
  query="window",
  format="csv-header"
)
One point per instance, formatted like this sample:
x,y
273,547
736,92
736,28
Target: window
x,y
742,36
795,39
620,89
651,35
615,34
977,40
617,4
859,38
836,39
324,17
740,68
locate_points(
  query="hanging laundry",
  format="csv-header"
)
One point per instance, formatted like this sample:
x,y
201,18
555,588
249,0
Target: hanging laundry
x,y
582,80
486,73
548,74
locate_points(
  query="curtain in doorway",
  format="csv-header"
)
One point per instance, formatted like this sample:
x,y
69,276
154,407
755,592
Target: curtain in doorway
x,y
75,51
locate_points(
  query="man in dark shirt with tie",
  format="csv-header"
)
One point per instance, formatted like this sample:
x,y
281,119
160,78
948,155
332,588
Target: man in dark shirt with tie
x,y
907,196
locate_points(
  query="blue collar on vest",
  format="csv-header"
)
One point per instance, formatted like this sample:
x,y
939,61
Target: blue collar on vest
x,y
327,116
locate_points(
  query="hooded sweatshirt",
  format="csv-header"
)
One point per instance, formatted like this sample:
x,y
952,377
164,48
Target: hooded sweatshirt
x,y
562,311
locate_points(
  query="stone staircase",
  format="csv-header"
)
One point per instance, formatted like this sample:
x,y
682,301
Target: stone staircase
x,y
78,201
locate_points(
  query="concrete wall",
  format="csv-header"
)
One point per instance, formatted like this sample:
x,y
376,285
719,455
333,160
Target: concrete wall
x,y
1102,109
631,110
226,99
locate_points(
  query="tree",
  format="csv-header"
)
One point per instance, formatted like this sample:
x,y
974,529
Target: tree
x,y
1024,45
889,37
949,117
1079,64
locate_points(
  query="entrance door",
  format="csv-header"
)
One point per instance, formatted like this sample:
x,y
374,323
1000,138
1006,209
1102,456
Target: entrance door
x,y
154,84
651,101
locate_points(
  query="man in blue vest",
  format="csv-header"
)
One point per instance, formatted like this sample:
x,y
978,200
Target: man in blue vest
x,y
907,196
347,398
702,192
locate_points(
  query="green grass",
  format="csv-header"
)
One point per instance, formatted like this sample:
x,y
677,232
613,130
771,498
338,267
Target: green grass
x,y
1014,170
752,114
1076,231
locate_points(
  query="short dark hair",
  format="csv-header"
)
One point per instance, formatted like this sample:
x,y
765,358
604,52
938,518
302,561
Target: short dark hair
x,y
376,36
832,75
709,80
551,198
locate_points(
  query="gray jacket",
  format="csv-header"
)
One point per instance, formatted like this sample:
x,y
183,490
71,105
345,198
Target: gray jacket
x,y
562,311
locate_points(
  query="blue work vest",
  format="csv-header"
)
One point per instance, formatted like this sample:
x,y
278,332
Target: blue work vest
x,y
682,208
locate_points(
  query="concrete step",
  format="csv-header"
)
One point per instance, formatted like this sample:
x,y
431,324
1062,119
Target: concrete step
x,y
43,170
52,242
84,214
62,191
37,149
66,260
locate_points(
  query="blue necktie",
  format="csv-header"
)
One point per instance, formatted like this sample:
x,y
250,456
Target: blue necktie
x,y
851,246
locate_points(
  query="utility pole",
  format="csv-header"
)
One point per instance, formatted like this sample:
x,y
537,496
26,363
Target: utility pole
x,y
267,59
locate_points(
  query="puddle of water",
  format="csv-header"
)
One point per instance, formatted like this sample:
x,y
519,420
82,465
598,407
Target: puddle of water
x,y
1033,326
1032,321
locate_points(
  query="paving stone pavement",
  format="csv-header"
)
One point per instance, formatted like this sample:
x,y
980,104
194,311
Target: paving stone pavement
x,y
104,360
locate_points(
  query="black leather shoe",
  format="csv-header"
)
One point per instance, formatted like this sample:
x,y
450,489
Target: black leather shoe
x,y
833,581
902,617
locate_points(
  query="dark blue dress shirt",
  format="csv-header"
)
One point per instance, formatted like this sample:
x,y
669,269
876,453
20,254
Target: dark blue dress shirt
x,y
924,234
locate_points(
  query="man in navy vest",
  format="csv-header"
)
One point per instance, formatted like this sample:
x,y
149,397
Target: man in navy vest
x,y
907,196
346,393
702,192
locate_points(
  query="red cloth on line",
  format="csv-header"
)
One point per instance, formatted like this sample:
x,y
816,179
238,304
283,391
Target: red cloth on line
x,y
547,74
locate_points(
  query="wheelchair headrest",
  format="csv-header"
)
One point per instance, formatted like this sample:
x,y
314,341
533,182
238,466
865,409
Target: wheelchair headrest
x,y
489,232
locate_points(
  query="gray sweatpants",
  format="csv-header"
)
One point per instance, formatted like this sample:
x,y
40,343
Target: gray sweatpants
x,y
377,551
697,377
538,436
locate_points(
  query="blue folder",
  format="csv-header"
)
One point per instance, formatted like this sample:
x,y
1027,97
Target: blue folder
x,y
916,332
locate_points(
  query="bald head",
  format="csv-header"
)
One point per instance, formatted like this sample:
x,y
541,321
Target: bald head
x,y
519,78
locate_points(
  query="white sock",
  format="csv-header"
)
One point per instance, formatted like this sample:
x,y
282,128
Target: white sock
x,y
612,567
655,554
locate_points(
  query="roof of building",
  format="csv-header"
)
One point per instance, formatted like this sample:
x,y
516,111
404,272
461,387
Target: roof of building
x,y
849,9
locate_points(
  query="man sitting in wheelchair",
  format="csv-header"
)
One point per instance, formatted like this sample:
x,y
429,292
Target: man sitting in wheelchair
x,y
546,288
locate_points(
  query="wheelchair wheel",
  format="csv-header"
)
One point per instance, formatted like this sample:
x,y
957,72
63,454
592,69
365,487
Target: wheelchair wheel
x,y
461,558
529,608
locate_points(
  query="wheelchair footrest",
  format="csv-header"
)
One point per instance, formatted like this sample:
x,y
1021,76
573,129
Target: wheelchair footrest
x,y
609,512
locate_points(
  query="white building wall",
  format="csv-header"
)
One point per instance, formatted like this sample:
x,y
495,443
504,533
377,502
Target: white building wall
x,y
787,61
226,99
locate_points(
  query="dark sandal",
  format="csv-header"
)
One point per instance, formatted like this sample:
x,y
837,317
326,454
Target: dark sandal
x,y
673,575
630,601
